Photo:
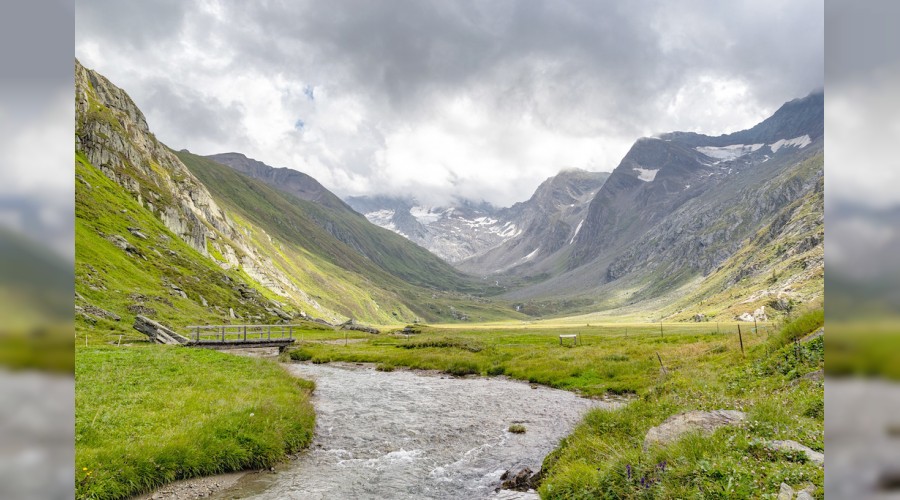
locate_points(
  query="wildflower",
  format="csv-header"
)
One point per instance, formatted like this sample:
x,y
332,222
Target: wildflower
x,y
251,414
628,469
84,468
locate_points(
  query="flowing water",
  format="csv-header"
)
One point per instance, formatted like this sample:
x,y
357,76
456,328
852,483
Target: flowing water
x,y
410,434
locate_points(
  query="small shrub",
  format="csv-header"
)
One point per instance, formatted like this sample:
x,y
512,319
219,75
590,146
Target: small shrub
x,y
300,355
496,370
816,409
517,429
615,357
384,367
464,344
462,368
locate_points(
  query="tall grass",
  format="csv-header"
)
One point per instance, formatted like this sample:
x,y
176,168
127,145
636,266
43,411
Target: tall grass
x,y
603,458
149,415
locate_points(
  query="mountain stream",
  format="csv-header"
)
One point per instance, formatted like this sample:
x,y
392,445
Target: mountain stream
x,y
415,434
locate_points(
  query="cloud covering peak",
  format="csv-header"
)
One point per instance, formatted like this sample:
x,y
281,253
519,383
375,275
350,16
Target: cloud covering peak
x,y
476,99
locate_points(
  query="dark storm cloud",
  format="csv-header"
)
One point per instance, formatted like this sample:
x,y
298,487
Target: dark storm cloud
x,y
619,54
552,72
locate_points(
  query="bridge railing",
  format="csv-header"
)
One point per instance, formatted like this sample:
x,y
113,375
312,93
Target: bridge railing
x,y
239,333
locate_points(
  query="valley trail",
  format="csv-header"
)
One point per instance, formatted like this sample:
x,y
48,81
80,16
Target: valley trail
x,y
415,434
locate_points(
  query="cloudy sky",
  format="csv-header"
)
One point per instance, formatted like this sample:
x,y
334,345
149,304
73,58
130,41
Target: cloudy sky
x,y
479,99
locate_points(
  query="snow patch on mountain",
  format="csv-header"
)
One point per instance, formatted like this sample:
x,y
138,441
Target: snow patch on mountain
x,y
426,215
509,230
577,229
531,255
646,174
480,222
380,217
726,153
799,142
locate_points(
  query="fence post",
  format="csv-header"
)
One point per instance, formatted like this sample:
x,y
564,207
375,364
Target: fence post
x,y
660,329
741,339
223,333
755,328
245,333
717,328
665,372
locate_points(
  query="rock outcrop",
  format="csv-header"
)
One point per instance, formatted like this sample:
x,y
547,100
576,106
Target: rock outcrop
x,y
520,479
352,325
693,421
157,332
793,446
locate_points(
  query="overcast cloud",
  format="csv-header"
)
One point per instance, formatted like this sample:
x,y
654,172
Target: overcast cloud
x,y
479,99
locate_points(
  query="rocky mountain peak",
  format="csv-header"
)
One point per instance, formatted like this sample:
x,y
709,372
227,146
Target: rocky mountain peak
x,y
113,134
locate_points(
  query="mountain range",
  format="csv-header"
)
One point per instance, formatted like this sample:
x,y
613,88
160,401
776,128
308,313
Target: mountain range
x,y
182,237
684,216
686,225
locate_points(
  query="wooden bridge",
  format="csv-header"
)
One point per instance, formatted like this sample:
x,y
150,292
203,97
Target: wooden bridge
x,y
218,336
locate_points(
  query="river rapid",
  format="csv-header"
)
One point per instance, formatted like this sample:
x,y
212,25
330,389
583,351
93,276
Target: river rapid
x,y
415,434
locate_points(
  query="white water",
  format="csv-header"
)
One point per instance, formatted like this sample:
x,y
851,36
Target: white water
x,y
408,434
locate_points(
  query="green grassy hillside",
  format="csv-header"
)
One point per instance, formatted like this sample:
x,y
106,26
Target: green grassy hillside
x,y
139,280
399,280
307,223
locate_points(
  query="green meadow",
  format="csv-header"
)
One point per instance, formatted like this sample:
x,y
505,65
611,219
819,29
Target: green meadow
x,y
684,367
147,415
